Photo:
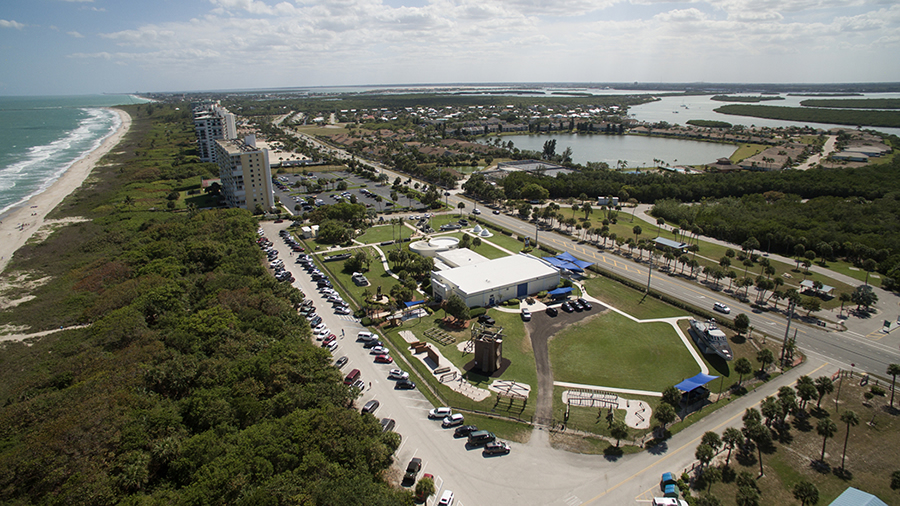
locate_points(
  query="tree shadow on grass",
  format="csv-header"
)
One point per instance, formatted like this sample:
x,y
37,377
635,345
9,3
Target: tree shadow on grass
x,y
820,466
843,474
801,422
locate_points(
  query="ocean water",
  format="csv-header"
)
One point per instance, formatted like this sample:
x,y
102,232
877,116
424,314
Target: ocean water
x,y
41,137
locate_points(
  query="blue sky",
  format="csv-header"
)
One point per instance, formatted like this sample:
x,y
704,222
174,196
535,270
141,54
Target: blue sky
x,y
53,47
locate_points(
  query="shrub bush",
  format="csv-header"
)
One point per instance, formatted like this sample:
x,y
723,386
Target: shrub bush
x,y
476,312
365,321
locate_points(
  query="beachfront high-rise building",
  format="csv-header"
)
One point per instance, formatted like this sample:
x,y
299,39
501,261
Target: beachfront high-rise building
x,y
245,174
211,123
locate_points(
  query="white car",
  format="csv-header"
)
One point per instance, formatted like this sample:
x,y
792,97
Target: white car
x,y
398,374
446,498
321,333
343,310
319,326
722,308
333,346
453,420
476,211
441,412
526,314
379,350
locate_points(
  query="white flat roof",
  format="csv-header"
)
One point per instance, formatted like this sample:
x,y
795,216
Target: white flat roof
x,y
492,274
460,257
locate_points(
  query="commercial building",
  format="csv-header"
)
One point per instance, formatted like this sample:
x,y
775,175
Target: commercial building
x,y
211,123
488,283
245,174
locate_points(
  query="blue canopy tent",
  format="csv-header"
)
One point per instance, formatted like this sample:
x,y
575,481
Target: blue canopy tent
x,y
414,303
560,293
697,381
568,262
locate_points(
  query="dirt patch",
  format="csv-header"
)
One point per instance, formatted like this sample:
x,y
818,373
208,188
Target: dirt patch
x,y
50,226
539,331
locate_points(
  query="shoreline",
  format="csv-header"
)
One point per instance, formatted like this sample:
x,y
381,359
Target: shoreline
x,y
20,223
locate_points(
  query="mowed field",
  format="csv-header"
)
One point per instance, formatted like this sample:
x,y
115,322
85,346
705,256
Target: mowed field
x,y
613,351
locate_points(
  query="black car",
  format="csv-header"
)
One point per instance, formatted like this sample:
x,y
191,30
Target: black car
x,y
567,307
404,385
576,306
412,470
487,320
341,362
585,304
464,430
371,344
551,311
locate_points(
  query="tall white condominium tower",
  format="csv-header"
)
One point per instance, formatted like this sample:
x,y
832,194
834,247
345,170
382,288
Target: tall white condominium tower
x,y
245,174
211,123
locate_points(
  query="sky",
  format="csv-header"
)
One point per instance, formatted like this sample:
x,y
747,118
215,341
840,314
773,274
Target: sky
x,y
66,47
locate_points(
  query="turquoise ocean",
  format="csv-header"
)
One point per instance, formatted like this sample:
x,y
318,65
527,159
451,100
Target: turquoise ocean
x,y
41,137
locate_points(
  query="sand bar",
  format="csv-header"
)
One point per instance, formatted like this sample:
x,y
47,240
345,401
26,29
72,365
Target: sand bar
x,y
20,223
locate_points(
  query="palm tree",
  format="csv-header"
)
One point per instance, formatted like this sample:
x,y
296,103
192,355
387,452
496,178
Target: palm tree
x,y
764,357
826,428
824,386
742,366
732,437
806,493
850,418
893,370
637,232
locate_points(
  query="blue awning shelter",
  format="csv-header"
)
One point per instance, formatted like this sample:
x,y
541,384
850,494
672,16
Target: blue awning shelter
x,y
560,293
694,383
568,262
414,303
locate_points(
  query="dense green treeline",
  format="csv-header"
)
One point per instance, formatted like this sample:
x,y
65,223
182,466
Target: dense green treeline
x,y
854,103
870,182
195,382
813,115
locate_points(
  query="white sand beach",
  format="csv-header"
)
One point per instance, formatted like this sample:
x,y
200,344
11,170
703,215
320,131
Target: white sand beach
x,y
21,223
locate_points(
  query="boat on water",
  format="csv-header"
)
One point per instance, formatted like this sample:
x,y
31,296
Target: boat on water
x,y
711,339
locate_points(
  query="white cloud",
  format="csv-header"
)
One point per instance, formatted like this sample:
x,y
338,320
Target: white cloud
x,y
11,24
75,34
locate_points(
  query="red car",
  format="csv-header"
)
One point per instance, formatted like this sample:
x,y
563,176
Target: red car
x,y
421,497
384,359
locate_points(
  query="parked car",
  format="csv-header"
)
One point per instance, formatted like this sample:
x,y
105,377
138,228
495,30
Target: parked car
x,y
404,384
379,350
438,413
372,344
371,406
359,385
333,345
485,319
398,374
722,308
566,306
453,420
551,311
412,470
496,448
526,314
464,430
384,359
585,304
341,362
446,498
387,424
481,437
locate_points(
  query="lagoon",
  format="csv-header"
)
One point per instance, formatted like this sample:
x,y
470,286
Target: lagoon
x,y
637,150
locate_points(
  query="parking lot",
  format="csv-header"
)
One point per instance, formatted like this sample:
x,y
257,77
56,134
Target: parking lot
x,y
365,191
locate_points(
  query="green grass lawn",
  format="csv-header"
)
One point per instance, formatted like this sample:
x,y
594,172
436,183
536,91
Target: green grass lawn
x,y
746,150
376,276
381,233
515,347
630,300
587,419
611,350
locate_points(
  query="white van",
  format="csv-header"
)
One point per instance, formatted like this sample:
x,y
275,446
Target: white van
x,y
446,498
364,336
